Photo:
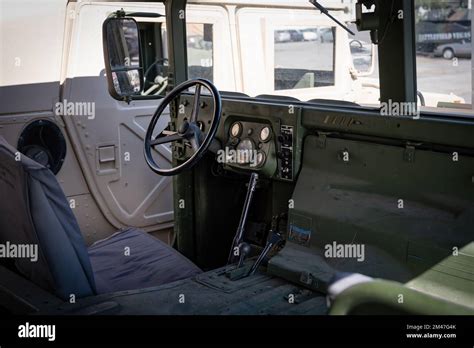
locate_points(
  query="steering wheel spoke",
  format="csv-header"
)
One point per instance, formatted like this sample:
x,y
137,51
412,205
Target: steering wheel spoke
x,y
166,139
196,102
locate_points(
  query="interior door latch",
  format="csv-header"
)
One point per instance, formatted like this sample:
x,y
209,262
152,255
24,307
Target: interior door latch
x,y
322,139
409,153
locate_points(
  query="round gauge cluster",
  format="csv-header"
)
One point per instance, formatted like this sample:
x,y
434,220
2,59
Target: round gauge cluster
x,y
236,129
265,134
250,140
261,158
245,150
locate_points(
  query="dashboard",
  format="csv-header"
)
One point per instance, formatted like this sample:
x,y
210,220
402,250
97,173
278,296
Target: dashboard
x,y
255,138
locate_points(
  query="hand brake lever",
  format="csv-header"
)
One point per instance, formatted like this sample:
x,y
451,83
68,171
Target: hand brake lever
x,y
275,239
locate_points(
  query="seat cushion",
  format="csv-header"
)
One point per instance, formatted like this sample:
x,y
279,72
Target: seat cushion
x,y
35,212
451,279
132,259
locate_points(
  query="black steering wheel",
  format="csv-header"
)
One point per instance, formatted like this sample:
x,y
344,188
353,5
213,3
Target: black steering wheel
x,y
189,130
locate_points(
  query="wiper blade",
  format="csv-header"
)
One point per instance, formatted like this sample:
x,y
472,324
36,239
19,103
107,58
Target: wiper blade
x,y
325,11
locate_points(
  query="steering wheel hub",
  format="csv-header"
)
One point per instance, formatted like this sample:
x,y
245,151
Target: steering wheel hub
x,y
183,128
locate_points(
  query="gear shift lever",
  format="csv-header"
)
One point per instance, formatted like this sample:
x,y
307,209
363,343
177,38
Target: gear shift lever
x,y
243,219
244,250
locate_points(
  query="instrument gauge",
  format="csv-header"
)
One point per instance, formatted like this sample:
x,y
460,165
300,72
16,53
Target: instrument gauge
x,y
265,134
245,152
236,129
261,158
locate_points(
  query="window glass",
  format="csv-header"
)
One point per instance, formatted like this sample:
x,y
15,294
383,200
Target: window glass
x,y
363,53
154,58
292,49
443,43
304,57
155,54
200,52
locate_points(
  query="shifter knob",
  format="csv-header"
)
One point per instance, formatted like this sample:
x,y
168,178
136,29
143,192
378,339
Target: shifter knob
x,y
244,250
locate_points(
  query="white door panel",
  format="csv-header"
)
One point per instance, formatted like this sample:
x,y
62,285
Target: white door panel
x,y
110,143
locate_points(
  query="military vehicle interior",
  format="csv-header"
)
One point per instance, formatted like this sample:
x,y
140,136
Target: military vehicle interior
x,y
250,235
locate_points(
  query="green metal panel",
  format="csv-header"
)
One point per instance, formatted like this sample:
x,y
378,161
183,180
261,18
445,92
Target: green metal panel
x,y
183,184
397,52
385,297
358,202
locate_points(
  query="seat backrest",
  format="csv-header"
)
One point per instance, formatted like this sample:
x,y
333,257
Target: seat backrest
x,y
34,211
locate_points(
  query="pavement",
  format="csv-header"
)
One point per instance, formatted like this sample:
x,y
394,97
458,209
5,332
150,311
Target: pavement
x,y
440,75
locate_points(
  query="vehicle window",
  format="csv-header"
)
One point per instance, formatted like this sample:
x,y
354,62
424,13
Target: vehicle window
x,y
299,52
363,53
154,58
200,51
443,43
155,54
296,51
304,57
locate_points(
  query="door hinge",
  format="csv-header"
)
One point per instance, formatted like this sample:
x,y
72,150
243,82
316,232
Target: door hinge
x,y
322,139
409,153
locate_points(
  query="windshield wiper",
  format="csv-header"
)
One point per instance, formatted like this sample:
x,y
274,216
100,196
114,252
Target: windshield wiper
x,y
325,11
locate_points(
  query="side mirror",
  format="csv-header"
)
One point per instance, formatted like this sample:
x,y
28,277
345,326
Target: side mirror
x,y
123,67
363,57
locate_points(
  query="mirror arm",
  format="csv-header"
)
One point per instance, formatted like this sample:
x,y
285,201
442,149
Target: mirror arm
x,y
144,14
127,99
121,14
325,11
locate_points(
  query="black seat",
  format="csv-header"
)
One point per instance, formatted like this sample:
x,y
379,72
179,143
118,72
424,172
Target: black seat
x,y
132,259
35,211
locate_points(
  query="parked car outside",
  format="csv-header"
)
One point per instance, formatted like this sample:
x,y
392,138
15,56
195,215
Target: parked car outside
x,y
310,34
282,36
326,35
454,49
296,35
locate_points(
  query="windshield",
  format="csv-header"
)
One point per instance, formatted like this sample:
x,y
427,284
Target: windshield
x,y
289,48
